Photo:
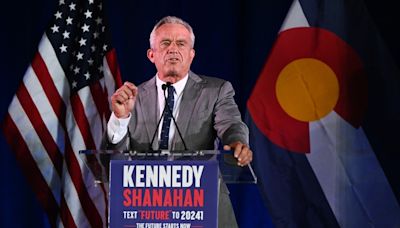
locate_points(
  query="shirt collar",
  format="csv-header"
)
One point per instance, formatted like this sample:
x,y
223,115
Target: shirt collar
x,y
179,85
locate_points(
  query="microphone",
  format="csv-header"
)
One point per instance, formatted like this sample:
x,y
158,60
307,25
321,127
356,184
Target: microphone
x,y
166,106
163,87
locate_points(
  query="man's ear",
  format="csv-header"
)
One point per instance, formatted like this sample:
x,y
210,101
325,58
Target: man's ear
x,y
150,55
192,53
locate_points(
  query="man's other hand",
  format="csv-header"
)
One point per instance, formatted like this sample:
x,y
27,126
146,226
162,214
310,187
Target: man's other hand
x,y
241,152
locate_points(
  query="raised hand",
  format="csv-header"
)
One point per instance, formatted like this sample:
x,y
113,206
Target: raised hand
x,y
123,100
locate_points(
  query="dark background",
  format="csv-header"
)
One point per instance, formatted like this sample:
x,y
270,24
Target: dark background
x,y
233,39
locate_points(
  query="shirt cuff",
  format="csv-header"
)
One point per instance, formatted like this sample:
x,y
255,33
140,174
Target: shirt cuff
x,y
117,128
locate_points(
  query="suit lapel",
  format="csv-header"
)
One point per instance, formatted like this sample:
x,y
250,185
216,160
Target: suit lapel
x,y
149,107
190,96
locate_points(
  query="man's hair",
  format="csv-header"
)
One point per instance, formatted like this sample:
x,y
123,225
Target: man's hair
x,y
171,20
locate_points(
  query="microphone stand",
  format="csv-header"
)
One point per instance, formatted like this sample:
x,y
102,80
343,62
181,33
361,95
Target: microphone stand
x,y
166,106
173,118
158,125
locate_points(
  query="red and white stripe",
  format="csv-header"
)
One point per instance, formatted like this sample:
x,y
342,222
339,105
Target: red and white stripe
x,y
46,126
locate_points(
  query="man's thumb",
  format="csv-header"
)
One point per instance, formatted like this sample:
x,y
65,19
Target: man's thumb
x,y
227,147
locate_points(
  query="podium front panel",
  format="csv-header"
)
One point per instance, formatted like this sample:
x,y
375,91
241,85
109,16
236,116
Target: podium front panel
x,y
149,193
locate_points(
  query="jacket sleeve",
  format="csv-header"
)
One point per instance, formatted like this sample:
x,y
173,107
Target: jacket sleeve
x,y
227,120
124,144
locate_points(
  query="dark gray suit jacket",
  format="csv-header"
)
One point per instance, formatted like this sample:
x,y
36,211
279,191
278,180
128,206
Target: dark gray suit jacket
x,y
208,113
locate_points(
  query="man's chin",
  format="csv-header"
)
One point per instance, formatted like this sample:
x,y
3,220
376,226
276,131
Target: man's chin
x,y
172,74
172,77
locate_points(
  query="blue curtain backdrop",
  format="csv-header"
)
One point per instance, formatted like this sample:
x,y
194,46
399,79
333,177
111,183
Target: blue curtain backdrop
x,y
233,39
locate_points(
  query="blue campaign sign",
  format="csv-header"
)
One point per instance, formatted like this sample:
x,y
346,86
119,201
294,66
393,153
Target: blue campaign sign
x,y
163,194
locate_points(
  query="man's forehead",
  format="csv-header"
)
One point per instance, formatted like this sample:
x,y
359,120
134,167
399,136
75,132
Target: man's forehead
x,y
172,30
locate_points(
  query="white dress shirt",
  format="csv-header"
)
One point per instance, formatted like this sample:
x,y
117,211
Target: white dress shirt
x,y
117,128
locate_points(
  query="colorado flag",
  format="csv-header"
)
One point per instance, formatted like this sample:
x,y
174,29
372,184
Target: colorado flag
x,y
322,116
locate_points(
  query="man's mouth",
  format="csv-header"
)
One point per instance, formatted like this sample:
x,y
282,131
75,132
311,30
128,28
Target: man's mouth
x,y
173,59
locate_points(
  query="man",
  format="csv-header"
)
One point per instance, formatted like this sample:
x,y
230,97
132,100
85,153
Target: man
x,y
203,107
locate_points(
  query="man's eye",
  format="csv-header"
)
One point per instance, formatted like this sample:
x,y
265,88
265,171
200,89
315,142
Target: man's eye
x,y
165,43
183,44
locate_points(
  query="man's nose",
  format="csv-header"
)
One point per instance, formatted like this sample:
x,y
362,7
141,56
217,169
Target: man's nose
x,y
173,48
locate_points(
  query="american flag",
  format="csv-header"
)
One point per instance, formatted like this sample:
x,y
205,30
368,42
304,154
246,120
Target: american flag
x,y
60,108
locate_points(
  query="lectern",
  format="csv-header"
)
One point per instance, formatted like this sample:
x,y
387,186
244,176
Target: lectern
x,y
165,189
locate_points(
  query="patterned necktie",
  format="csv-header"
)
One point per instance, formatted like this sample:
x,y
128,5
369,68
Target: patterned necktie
x,y
164,138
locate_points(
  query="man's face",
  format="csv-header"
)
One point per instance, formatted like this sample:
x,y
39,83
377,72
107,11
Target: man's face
x,y
172,52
